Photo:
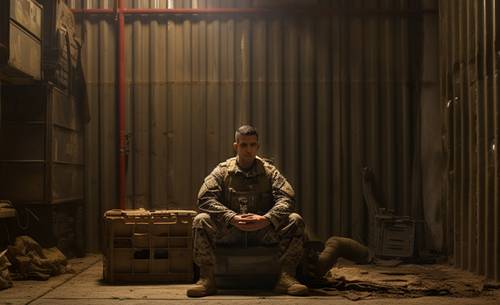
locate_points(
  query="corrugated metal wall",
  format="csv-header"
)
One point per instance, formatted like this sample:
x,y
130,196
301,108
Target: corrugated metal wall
x,y
329,95
469,85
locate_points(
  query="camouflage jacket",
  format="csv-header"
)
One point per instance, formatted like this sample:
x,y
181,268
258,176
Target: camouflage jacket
x,y
272,188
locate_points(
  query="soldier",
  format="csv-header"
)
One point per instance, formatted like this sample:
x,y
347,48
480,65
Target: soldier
x,y
246,195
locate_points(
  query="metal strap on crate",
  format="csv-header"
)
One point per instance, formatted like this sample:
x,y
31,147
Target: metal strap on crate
x,y
164,216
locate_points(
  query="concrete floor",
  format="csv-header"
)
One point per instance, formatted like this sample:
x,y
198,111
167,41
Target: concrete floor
x,y
85,287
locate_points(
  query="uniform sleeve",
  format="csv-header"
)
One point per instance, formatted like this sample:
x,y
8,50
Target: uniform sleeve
x,y
211,194
283,197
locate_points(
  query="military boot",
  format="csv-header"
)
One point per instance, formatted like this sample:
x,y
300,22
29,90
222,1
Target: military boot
x,y
205,285
288,284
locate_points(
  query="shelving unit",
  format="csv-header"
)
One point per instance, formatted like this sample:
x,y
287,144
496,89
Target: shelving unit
x,y
42,164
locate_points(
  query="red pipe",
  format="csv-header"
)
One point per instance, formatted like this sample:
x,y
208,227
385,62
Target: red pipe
x,y
278,10
93,11
178,11
121,105
185,11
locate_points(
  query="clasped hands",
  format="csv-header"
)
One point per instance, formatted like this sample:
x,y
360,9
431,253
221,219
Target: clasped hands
x,y
249,222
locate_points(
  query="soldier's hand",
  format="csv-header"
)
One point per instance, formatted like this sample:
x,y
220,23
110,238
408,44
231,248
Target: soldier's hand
x,y
250,222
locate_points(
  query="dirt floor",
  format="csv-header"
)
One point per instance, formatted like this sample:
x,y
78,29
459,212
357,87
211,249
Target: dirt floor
x,y
84,286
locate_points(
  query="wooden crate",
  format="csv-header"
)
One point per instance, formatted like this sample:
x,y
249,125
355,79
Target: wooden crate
x,y
26,13
395,236
20,55
148,246
61,45
41,160
20,41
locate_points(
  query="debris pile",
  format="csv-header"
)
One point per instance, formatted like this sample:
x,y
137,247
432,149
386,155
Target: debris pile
x,y
5,279
358,282
30,261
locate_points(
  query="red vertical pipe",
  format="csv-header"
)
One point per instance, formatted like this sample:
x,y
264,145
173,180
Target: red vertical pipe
x,y
121,104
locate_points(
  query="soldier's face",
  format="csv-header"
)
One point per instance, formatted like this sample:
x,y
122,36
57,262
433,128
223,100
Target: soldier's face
x,y
246,149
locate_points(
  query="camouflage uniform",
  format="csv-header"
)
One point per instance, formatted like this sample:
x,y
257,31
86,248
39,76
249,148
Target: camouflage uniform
x,y
262,190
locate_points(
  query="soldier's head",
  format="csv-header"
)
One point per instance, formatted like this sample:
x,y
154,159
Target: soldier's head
x,y
246,145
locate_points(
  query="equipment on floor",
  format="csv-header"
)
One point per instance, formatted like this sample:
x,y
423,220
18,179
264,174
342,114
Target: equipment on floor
x,y
31,261
5,279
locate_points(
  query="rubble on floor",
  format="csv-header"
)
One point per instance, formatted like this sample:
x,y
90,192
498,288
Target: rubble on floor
x,y
30,261
358,282
5,279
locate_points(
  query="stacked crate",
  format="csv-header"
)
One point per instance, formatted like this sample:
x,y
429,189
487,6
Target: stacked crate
x,y
41,133
62,45
42,141
148,246
42,162
20,40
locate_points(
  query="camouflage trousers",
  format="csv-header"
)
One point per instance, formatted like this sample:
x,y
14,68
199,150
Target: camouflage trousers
x,y
208,233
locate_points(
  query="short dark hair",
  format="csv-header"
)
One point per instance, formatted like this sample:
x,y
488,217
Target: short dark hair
x,y
245,130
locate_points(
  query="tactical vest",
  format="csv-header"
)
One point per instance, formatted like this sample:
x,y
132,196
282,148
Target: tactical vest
x,y
248,194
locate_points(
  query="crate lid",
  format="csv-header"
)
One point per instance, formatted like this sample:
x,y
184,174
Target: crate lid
x,y
146,213
173,212
125,213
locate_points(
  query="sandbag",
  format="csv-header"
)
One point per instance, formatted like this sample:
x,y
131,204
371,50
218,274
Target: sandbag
x,y
30,261
5,279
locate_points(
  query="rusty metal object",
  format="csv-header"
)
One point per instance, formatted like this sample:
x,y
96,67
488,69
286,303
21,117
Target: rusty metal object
x,y
122,140
22,59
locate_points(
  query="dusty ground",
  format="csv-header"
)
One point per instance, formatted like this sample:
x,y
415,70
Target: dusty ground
x,y
85,287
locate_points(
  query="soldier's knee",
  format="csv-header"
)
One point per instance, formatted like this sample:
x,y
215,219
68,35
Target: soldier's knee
x,y
296,220
201,220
